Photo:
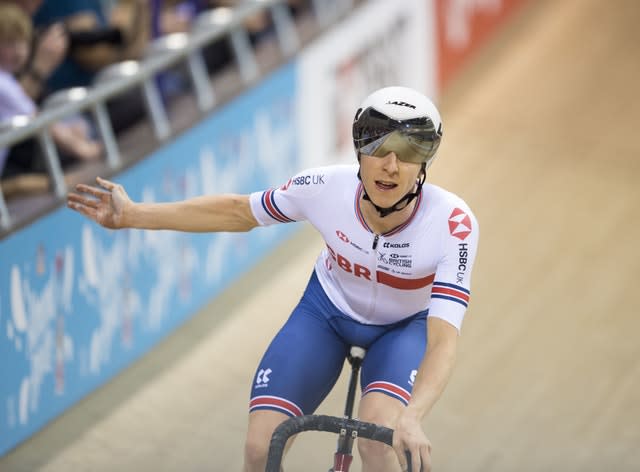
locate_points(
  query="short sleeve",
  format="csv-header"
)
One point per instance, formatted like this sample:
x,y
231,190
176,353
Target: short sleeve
x,y
451,290
289,202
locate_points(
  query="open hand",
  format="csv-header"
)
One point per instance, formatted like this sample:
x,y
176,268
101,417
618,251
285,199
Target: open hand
x,y
106,205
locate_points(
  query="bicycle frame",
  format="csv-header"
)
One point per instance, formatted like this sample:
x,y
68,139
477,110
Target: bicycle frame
x,y
343,457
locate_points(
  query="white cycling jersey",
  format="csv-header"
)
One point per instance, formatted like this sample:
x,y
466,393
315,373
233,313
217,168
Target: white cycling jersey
x,y
381,278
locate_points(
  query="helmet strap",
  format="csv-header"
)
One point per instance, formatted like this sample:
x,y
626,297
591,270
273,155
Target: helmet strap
x,y
403,202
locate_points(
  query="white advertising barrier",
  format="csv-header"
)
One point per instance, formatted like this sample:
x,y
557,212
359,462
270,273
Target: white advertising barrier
x,y
382,43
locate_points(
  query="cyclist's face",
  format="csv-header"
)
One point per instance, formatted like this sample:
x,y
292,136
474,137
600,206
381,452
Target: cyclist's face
x,y
387,179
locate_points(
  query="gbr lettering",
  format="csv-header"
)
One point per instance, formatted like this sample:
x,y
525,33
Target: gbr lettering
x,y
355,269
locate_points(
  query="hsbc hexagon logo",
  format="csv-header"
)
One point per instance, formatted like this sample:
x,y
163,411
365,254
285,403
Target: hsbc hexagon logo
x,y
286,186
459,224
342,236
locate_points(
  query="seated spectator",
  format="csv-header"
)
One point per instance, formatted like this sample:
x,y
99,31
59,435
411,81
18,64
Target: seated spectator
x,y
97,38
72,140
99,35
259,26
48,50
174,16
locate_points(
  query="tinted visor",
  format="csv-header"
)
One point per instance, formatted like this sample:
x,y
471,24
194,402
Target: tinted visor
x,y
415,140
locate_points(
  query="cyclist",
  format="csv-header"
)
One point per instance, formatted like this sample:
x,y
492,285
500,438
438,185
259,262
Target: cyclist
x,y
394,277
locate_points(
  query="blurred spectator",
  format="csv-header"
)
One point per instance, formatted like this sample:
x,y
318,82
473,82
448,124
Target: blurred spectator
x,y
72,140
174,16
219,54
100,33
259,26
96,38
48,49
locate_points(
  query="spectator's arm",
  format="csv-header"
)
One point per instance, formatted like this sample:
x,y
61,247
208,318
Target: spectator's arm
x,y
135,32
49,51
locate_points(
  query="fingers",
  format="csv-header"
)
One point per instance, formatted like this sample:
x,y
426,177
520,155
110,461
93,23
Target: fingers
x,y
106,183
82,208
87,200
418,460
409,466
425,458
91,190
82,200
414,461
405,460
426,464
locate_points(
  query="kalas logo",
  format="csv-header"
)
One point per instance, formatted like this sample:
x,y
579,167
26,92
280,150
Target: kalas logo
x,y
459,224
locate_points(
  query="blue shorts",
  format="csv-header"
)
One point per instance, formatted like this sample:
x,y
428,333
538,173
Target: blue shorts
x,y
305,359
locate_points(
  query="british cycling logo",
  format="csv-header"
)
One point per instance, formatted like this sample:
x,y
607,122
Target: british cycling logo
x,y
459,224
317,179
397,260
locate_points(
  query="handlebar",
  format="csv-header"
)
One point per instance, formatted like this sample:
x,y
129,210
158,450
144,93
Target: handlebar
x,y
330,424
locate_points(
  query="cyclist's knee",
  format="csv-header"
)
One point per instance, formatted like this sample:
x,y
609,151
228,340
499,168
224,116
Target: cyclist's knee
x,y
256,450
261,427
382,410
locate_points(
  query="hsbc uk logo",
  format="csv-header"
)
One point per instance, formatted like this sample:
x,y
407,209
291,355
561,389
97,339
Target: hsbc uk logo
x,y
262,379
317,179
459,224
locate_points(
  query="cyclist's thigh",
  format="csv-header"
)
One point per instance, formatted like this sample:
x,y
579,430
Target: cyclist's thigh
x,y
300,366
392,361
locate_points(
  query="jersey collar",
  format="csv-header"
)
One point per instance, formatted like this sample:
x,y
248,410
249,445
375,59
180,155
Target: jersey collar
x,y
397,229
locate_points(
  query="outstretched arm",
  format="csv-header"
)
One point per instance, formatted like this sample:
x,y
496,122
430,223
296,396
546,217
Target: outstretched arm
x,y
110,206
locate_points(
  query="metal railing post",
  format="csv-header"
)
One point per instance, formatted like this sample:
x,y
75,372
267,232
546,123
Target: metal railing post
x,y
321,11
5,218
52,161
200,80
106,133
244,54
156,109
285,29
327,11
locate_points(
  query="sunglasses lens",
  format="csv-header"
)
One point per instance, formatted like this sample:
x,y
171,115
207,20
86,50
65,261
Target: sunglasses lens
x,y
406,147
414,140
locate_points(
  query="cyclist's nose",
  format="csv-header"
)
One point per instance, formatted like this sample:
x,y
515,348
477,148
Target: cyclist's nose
x,y
391,162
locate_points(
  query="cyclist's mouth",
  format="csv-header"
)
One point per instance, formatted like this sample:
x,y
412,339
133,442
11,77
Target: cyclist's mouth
x,y
384,186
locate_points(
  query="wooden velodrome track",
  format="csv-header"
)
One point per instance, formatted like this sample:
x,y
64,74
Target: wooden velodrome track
x,y
542,139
